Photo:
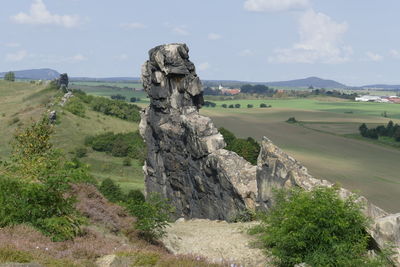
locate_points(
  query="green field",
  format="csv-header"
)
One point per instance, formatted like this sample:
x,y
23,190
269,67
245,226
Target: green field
x,y
28,102
107,91
322,143
112,84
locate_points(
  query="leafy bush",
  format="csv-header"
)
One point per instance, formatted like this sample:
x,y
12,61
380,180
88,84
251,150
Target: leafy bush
x,y
250,106
111,190
152,216
116,108
127,162
76,107
34,185
246,148
291,120
81,152
317,228
391,130
119,145
135,196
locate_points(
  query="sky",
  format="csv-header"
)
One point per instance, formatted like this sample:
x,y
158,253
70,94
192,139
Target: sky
x,y
356,42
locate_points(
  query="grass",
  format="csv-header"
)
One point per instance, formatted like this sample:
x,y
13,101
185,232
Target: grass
x,y
112,84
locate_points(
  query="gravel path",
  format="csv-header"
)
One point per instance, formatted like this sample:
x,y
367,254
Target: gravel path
x,y
218,241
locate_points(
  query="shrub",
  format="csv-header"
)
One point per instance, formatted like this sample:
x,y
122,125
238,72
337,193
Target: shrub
x,y
152,216
224,106
111,190
34,185
116,108
317,228
291,120
76,107
126,162
250,106
135,196
263,105
237,105
246,148
119,145
81,152
231,106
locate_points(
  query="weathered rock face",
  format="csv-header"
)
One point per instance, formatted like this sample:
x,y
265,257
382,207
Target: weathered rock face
x,y
276,169
186,161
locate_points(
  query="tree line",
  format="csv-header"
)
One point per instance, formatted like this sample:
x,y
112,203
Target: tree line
x,y
390,130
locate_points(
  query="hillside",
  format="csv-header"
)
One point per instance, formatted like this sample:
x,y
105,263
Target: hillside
x,y
311,81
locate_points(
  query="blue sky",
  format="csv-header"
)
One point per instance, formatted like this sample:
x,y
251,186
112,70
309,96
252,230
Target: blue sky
x,y
355,42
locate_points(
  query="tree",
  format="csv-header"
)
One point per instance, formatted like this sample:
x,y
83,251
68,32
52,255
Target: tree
x,y
9,76
249,105
363,130
237,105
397,134
224,105
263,105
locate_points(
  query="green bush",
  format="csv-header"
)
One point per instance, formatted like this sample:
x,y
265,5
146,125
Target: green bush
x,y
34,185
126,162
152,216
111,190
246,148
317,228
135,196
81,152
76,107
119,145
116,108
291,120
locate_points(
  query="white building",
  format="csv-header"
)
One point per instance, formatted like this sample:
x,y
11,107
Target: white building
x,y
369,98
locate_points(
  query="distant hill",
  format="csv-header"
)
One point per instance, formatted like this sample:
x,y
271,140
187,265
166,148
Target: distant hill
x,y
382,86
311,81
35,74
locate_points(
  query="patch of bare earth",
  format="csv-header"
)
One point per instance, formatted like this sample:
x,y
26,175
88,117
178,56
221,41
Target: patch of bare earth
x,y
218,241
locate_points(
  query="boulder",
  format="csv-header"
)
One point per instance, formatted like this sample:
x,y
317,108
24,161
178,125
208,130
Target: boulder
x,y
186,162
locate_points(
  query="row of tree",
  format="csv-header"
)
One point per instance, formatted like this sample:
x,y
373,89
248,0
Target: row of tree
x,y
390,130
257,89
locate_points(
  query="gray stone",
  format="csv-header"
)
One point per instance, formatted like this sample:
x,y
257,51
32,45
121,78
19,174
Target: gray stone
x,y
52,116
186,162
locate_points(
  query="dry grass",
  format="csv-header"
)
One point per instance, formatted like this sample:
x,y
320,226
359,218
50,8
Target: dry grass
x,y
110,231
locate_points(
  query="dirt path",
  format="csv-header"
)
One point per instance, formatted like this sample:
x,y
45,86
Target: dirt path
x,y
218,241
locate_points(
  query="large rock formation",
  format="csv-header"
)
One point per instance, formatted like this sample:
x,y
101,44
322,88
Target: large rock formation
x,y
186,162
276,169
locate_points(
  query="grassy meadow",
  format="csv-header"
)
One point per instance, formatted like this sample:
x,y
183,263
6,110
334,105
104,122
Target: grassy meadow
x,y
27,102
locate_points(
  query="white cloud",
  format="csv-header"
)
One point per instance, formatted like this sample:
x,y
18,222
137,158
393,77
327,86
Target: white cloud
x,y
214,36
274,5
39,14
180,30
133,25
395,53
246,52
17,56
122,57
12,45
204,66
373,56
77,58
320,41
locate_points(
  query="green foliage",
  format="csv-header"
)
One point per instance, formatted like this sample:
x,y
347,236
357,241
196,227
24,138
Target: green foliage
x,y
246,148
9,76
111,190
317,228
34,185
116,108
243,216
127,162
152,216
135,196
291,120
391,130
81,152
119,145
76,107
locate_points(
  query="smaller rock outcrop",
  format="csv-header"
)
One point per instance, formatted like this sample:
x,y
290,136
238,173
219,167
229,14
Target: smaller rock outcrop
x,y
276,169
